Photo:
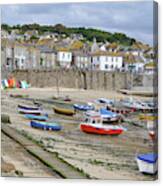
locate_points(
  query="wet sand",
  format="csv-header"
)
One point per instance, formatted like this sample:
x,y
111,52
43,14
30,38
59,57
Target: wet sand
x,y
101,157
25,165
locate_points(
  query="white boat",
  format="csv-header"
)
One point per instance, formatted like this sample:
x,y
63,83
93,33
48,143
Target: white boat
x,y
147,163
151,125
137,105
25,111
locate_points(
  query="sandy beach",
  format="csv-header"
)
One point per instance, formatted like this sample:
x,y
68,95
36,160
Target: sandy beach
x,y
101,157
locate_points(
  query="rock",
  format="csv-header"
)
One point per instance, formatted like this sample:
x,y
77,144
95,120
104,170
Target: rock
x,y
7,167
5,118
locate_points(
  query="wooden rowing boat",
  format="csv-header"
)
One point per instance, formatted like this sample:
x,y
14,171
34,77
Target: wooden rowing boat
x,y
64,111
36,117
27,111
148,117
28,107
45,125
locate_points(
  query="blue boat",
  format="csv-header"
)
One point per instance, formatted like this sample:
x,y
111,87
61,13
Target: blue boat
x,y
83,107
36,117
108,115
45,125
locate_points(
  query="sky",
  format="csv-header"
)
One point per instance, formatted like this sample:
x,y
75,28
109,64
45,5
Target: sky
x,y
132,18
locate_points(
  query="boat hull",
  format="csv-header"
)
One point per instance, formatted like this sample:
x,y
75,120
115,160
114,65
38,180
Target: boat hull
x,y
24,111
45,126
36,117
26,107
83,107
147,168
102,131
67,112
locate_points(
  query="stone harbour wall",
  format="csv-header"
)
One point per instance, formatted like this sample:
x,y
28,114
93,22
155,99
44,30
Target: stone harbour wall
x,y
97,80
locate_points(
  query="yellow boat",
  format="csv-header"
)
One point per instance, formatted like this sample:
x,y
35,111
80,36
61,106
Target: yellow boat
x,y
148,117
64,111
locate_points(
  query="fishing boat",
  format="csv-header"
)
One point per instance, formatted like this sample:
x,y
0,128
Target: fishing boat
x,y
45,125
28,107
27,111
64,111
83,107
93,124
109,116
147,163
106,115
36,117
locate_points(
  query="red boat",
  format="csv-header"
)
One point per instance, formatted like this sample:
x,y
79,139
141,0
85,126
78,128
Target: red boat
x,y
94,125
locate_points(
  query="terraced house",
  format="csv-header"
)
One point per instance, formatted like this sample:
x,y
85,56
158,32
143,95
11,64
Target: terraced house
x,y
47,58
107,61
19,56
64,57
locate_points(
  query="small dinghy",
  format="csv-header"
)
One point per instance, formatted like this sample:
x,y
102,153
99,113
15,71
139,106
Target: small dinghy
x,y
93,124
147,163
45,125
27,111
36,117
28,107
83,107
104,101
64,111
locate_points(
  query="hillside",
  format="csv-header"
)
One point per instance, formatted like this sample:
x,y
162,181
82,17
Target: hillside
x,y
88,33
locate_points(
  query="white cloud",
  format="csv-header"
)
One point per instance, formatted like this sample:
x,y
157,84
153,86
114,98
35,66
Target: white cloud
x,y
134,18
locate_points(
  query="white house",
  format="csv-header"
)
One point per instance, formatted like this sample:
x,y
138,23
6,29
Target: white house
x,y
64,58
150,68
4,34
135,67
133,63
107,61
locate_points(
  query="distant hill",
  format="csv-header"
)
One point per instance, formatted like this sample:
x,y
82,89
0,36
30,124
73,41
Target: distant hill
x,y
88,33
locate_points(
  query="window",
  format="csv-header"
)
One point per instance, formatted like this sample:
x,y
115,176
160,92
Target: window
x,y
93,121
86,120
106,66
8,62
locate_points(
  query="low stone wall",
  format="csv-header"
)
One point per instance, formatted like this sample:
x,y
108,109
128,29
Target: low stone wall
x,y
83,79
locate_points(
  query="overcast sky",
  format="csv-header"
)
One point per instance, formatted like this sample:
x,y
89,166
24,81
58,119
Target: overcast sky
x,y
133,18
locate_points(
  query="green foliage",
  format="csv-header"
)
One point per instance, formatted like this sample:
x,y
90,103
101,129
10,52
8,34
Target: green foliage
x,y
33,37
88,33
